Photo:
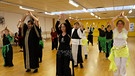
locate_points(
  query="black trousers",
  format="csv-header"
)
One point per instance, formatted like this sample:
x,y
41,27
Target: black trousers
x,y
99,46
40,53
62,64
21,42
79,55
55,43
90,39
9,57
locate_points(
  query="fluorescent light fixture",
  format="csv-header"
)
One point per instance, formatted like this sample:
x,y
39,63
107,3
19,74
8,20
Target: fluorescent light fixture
x,y
25,8
99,18
96,16
129,7
101,9
70,17
92,14
109,8
47,13
130,11
73,3
118,8
85,10
134,7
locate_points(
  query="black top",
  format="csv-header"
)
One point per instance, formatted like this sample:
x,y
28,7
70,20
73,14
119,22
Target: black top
x,y
75,35
109,35
5,40
101,32
64,41
68,28
91,31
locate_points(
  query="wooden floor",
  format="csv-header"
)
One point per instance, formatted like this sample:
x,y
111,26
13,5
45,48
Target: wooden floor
x,y
95,65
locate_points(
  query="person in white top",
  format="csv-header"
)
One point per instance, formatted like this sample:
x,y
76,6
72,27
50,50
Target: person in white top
x,y
119,52
76,36
84,42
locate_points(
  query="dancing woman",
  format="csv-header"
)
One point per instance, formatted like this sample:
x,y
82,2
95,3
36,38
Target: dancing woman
x,y
64,54
119,56
7,50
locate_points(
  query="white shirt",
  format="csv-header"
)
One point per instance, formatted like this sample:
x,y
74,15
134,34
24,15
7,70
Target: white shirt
x,y
120,39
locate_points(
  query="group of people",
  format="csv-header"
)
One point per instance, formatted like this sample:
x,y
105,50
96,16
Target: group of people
x,y
72,40
31,42
111,40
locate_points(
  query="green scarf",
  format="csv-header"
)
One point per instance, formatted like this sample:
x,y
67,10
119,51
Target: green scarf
x,y
102,41
5,49
41,43
9,38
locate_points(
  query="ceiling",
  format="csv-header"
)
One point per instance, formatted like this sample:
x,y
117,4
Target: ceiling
x,y
63,5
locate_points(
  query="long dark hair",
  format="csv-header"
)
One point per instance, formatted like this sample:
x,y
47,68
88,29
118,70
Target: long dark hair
x,y
65,24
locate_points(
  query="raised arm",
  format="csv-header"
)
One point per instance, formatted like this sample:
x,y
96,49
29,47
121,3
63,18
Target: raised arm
x,y
127,22
18,24
57,26
112,21
23,19
69,28
35,18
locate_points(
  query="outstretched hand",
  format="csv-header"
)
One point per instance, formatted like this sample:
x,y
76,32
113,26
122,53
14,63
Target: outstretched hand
x,y
62,16
121,14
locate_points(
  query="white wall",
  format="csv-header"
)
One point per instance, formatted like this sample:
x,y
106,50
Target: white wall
x,y
11,20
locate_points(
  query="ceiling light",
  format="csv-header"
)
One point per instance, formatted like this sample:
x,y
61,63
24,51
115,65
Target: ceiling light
x,y
85,10
99,18
73,3
48,13
96,16
92,14
130,11
25,8
70,17
94,10
134,7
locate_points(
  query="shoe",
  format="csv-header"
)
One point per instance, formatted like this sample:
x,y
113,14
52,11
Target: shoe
x,y
86,56
40,61
75,65
11,65
35,71
81,65
28,70
5,65
21,51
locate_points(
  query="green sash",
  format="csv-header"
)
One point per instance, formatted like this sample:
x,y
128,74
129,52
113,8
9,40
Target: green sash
x,y
41,43
109,41
5,49
102,41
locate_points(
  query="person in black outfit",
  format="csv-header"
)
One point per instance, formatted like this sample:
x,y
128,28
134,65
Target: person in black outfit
x,y
102,39
20,38
31,39
109,40
64,54
90,35
7,50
